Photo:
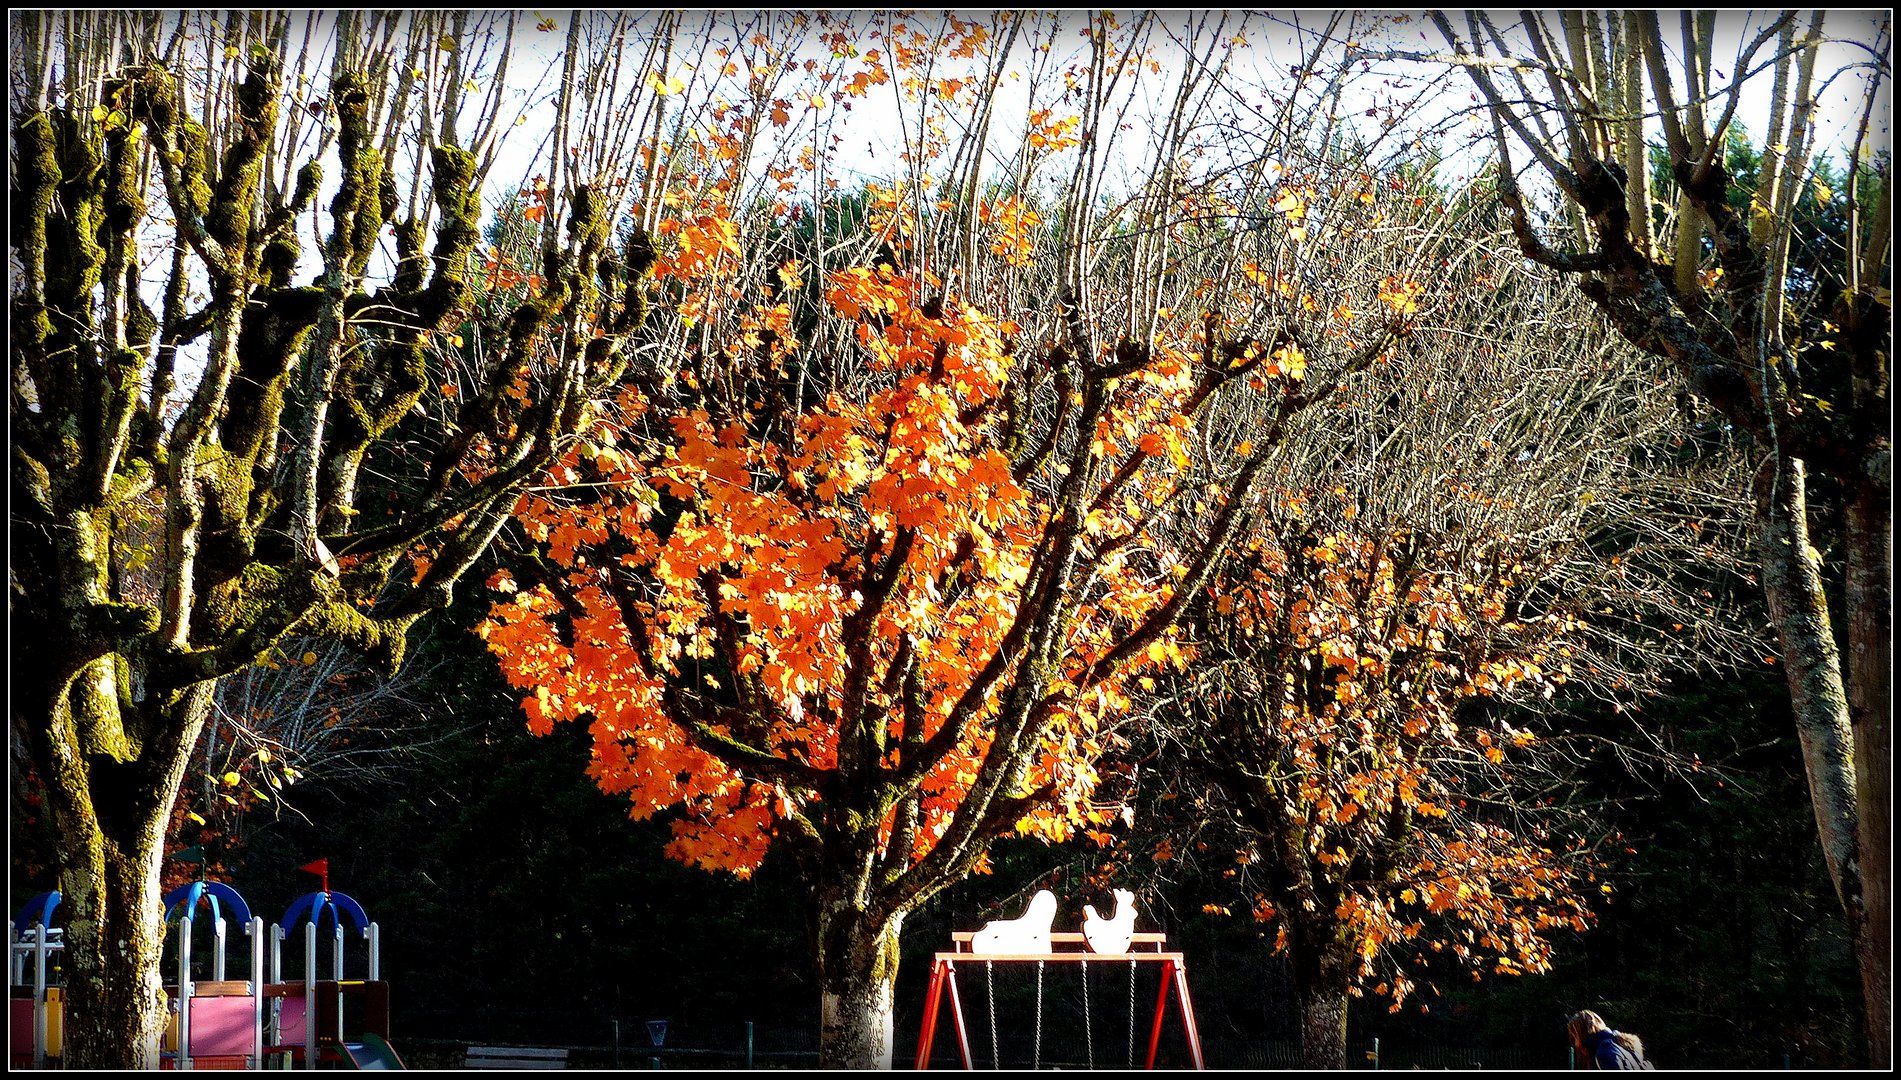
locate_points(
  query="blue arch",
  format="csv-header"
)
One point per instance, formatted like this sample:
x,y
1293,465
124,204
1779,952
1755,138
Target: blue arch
x,y
314,906
37,912
186,898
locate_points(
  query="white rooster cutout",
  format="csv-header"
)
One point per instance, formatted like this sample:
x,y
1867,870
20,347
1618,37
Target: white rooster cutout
x,y
1027,935
1111,935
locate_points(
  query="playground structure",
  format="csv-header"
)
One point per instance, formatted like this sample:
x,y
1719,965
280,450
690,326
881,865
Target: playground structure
x,y
221,1022
319,1005
1030,941
216,1022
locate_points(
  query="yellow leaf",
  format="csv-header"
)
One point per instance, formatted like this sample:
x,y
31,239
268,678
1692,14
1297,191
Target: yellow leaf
x,y
310,658
232,779
664,86
446,43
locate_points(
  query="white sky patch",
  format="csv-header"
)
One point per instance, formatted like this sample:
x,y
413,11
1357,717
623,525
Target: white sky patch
x,y
726,66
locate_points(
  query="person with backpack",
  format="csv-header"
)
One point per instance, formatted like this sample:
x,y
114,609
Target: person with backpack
x,y
1599,1047
1635,1045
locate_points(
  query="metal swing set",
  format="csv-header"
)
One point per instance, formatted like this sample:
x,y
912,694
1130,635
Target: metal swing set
x,y
1065,948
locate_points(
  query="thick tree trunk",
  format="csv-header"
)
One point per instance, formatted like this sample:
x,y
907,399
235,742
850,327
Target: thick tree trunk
x,y
858,967
1870,614
115,1000
1322,973
110,806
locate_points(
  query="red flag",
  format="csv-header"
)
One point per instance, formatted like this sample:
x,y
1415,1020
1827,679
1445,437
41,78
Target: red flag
x,y
321,868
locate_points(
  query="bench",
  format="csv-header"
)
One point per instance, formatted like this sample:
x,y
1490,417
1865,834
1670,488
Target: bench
x,y
516,1057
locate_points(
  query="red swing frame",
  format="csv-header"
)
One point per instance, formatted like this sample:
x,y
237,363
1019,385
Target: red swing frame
x,y
1143,949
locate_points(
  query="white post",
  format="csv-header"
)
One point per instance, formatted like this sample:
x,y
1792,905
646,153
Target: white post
x,y
256,930
39,995
184,991
276,1006
336,955
375,934
310,993
217,958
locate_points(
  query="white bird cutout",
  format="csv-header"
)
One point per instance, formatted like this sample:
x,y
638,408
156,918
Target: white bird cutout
x,y
1028,934
1111,935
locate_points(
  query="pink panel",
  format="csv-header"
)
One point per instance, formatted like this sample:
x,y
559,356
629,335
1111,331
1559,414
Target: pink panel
x,y
290,1022
222,1025
20,1026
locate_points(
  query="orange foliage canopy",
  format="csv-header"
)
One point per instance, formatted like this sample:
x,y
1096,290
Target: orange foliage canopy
x,y
770,618
1362,787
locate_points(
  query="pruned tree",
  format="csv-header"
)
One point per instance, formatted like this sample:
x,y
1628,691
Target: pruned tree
x,y
867,579
244,308
1456,545
1707,287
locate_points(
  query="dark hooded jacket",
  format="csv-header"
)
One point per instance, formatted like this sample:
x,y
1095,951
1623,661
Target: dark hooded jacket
x,y
1606,1052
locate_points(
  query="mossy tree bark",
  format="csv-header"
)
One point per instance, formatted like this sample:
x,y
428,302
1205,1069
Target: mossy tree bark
x,y
155,549
858,969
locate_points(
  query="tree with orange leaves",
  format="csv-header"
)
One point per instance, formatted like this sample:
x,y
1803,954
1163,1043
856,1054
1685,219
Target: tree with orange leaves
x,y
1364,803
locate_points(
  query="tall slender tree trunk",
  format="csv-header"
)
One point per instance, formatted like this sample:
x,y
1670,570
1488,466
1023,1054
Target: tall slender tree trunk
x,y
858,967
1870,615
1812,663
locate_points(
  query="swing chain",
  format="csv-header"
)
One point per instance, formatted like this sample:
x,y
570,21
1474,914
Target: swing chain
x,y
990,992
1089,1036
1036,1054
1131,1014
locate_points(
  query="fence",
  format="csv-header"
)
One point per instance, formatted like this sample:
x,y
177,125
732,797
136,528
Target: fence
x,y
1234,1054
